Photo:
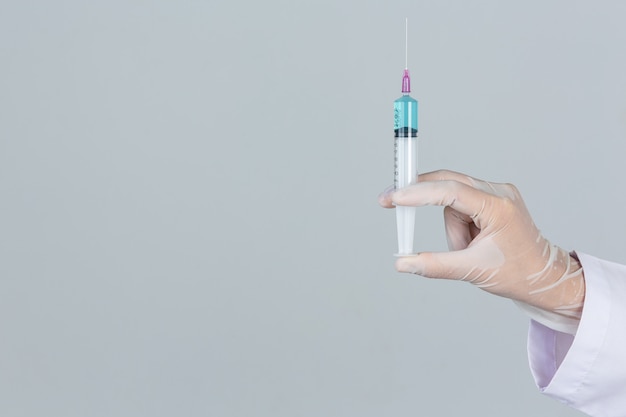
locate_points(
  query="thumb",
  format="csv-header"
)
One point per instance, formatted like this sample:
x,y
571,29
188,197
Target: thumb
x,y
474,264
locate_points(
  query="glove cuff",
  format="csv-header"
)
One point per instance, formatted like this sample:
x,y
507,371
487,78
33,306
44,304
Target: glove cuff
x,y
549,319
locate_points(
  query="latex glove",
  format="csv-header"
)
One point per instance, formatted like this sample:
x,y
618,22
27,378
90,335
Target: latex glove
x,y
495,245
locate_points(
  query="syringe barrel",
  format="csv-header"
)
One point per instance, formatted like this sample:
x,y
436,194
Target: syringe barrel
x,y
405,166
405,138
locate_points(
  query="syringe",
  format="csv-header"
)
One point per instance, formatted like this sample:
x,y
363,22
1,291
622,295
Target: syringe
x,y
405,132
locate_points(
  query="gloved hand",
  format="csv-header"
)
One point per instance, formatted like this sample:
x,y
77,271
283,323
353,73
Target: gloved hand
x,y
495,245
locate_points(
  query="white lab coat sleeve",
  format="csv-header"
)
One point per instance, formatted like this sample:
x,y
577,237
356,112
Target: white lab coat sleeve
x,y
587,371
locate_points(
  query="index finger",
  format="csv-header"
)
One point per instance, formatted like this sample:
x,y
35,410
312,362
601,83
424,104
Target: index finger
x,y
500,189
447,175
447,193
384,198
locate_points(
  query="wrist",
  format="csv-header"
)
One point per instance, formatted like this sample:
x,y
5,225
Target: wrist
x,y
563,292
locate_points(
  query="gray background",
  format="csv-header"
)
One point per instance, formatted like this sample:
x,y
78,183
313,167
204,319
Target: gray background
x,y
188,215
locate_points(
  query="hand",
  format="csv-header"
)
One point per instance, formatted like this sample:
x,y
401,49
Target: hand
x,y
493,243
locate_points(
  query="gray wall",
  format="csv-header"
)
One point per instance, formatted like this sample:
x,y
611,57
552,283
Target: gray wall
x,y
188,215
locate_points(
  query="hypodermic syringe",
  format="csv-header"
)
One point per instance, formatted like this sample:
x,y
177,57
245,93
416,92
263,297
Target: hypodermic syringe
x,y
405,161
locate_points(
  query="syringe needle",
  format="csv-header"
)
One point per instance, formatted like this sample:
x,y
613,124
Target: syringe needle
x,y
406,43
